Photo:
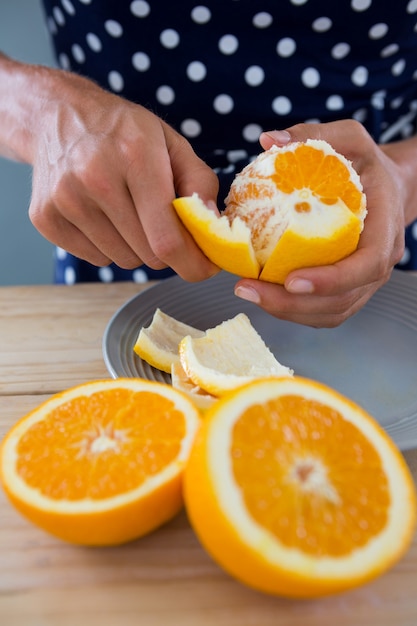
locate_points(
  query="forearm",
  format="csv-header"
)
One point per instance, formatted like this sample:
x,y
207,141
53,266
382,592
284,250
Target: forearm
x,y
19,101
404,155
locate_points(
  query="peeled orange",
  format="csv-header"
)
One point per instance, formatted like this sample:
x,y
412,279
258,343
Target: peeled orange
x,y
301,205
101,463
296,491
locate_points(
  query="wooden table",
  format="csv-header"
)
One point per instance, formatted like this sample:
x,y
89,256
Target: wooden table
x,y
50,338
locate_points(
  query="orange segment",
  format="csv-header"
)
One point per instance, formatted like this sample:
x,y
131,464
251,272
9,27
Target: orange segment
x,y
296,491
101,463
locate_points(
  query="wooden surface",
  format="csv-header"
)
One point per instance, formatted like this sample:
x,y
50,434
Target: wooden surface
x,y
50,338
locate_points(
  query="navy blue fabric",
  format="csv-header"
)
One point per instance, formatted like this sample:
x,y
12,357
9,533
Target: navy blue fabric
x,y
223,71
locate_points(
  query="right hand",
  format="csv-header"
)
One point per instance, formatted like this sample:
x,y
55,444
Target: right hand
x,y
105,172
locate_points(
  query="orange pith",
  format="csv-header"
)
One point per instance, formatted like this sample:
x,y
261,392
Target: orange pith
x,y
294,474
100,447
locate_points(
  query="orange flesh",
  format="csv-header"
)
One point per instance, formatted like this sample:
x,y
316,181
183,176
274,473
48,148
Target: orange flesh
x,y
324,175
100,445
287,471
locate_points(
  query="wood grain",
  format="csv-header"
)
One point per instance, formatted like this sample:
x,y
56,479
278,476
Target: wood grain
x,y
50,339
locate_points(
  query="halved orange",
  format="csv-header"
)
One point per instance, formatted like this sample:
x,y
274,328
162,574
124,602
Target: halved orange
x,y
300,205
101,463
296,491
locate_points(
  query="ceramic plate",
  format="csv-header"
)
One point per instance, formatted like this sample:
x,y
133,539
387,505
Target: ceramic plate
x,y
371,358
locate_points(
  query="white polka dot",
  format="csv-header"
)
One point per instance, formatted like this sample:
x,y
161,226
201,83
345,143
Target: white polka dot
x,y
141,61
398,67
412,6
227,170
140,8
85,1
105,274
223,103
190,128
377,31
361,5
60,253
414,231
228,44
360,76
396,103
58,16
389,50
196,71
165,94
251,132
310,77
378,99
298,2
201,14
169,38
340,50
78,53
114,28
281,105
262,20
236,155
68,6
93,42
64,61
334,103
139,276
360,115
254,75
406,257
69,276
322,24
52,26
116,81
286,47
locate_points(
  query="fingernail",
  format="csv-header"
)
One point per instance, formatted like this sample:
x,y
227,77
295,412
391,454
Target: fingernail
x,y
300,285
247,293
279,136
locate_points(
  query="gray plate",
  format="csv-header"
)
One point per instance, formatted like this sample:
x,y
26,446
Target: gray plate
x,y
371,358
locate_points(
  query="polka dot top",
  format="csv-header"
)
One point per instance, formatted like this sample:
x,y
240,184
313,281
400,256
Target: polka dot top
x,y
222,71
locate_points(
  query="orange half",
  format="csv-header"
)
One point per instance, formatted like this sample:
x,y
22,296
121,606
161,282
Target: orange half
x,y
296,491
101,463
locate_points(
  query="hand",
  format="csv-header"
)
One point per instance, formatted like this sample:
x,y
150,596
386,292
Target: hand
x,y
105,172
327,296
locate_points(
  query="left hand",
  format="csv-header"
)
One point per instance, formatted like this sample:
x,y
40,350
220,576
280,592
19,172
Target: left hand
x,y
327,296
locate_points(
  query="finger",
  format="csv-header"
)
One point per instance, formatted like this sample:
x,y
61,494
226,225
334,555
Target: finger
x,y
79,226
167,237
62,233
311,310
